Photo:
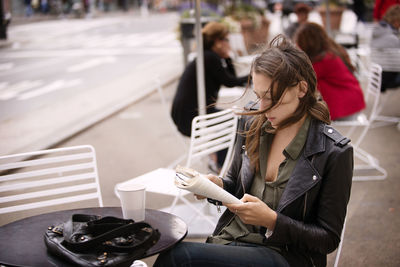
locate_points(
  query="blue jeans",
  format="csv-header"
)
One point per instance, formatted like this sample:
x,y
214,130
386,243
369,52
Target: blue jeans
x,y
187,254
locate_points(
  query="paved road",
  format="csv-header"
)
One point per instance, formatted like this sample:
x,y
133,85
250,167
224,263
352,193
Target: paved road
x,y
58,77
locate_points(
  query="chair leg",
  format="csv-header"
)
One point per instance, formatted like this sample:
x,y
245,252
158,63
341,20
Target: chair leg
x,y
339,249
371,164
199,213
384,120
193,207
381,120
173,205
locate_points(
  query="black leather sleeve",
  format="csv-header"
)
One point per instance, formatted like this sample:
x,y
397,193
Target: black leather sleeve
x,y
333,195
221,74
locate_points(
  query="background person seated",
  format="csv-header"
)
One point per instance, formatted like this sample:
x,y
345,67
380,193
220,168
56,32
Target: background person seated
x,y
218,70
301,10
293,208
336,83
386,34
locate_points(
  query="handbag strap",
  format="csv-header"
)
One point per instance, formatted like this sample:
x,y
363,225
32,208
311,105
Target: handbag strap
x,y
92,224
118,228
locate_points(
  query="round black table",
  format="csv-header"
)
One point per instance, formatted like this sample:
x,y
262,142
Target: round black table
x,y
22,242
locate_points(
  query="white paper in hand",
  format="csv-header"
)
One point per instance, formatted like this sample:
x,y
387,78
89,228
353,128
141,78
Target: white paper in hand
x,y
197,183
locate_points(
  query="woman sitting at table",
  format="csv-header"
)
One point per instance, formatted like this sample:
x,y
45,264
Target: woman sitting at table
x,y
291,170
336,82
218,70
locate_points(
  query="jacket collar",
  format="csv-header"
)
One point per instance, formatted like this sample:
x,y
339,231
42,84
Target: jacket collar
x,y
304,175
315,141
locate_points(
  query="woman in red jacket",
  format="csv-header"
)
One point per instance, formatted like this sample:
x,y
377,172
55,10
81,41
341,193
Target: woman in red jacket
x,y
381,6
336,83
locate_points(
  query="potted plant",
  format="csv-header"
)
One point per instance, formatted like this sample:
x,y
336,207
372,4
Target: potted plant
x,y
335,8
254,26
187,23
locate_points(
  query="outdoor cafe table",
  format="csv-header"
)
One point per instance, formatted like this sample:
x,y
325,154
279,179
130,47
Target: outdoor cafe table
x,y
22,241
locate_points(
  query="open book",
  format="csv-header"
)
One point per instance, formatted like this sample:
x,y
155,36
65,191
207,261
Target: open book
x,y
197,183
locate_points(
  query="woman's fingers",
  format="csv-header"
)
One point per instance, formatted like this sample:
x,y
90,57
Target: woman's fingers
x,y
215,179
199,197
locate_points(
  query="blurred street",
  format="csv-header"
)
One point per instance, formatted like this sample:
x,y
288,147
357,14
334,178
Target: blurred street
x,y
59,76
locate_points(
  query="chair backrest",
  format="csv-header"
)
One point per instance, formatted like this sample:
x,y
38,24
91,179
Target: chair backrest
x,y
211,133
348,22
48,178
387,58
373,90
237,44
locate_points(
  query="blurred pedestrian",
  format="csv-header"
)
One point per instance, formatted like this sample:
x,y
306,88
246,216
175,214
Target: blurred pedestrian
x,y
381,6
337,84
67,6
386,34
292,171
86,6
123,5
44,6
359,9
301,10
5,18
218,70
107,5
28,8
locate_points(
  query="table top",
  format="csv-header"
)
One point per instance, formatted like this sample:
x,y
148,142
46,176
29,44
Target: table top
x,y
22,241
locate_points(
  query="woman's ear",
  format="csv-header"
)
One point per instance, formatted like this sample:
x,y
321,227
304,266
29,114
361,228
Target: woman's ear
x,y
303,87
216,46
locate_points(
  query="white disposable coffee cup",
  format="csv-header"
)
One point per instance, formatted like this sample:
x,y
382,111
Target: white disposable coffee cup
x,y
133,198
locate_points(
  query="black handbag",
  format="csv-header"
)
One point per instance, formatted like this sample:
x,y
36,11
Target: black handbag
x,y
89,240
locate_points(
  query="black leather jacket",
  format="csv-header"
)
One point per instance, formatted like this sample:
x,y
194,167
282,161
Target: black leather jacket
x,y
312,209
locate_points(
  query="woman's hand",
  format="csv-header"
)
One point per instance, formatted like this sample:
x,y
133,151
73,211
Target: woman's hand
x,y
215,179
254,211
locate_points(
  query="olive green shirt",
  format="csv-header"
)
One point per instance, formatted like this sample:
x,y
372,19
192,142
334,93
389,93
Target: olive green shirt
x,y
268,192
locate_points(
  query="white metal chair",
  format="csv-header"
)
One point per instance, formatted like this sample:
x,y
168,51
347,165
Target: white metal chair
x,y
166,111
237,44
347,34
48,178
210,133
364,120
389,60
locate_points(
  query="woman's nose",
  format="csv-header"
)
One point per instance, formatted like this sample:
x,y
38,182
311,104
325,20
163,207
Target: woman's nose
x,y
264,104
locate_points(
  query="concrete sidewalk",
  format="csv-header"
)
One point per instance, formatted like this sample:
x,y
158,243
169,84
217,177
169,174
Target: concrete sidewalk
x,y
52,121
45,127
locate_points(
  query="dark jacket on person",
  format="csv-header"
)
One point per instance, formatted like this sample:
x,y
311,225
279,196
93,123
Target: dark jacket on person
x,y
312,209
217,72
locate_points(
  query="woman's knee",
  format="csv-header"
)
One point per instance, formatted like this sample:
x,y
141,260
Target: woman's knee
x,y
177,256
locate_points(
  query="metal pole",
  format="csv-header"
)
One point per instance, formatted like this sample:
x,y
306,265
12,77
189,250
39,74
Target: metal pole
x,y
201,92
328,19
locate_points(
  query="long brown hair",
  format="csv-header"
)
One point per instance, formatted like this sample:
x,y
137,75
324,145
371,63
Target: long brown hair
x,y
286,66
314,40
